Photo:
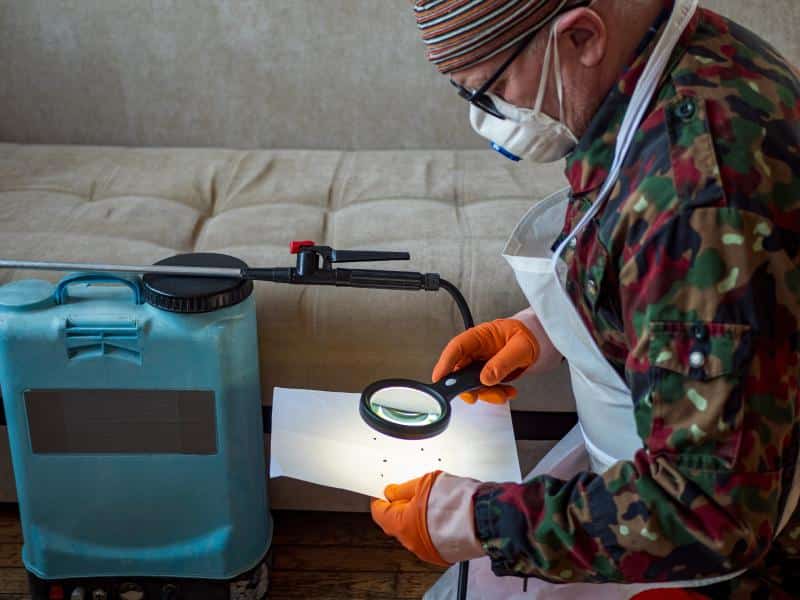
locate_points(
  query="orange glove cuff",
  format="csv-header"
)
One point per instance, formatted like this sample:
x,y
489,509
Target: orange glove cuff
x,y
405,516
427,551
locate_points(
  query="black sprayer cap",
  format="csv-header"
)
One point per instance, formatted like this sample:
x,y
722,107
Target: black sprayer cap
x,y
187,294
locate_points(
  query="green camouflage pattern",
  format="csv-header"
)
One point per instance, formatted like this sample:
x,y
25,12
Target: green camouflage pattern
x,y
688,280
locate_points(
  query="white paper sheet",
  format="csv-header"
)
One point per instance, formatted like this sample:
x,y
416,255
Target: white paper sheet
x,y
320,437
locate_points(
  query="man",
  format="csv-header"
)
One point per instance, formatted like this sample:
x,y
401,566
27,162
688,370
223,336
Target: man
x,y
680,246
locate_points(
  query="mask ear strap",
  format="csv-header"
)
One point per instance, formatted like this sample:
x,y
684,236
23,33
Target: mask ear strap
x,y
545,78
559,81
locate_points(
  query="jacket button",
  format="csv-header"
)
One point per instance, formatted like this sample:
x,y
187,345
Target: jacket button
x,y
686,109
697,359
700,332
591,287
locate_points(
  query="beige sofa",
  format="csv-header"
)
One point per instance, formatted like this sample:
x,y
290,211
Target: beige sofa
x,y
342,80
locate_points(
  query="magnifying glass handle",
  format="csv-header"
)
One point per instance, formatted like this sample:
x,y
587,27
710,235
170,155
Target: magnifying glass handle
x,y
465,380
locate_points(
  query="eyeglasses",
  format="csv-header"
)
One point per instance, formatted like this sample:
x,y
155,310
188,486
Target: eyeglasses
x,y
479,97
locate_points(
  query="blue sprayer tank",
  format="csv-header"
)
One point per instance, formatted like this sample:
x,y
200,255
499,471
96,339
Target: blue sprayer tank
x,y
134,417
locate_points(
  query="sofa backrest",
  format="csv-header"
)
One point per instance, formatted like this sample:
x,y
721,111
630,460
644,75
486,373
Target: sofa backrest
x,y
331,74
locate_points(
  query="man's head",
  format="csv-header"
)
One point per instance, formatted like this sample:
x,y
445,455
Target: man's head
x,y
471,40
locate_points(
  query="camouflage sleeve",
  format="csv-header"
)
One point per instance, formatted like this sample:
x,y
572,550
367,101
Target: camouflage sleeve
x,y
710,307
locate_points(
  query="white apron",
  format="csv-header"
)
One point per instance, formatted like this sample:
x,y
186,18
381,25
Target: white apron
x,y
606,432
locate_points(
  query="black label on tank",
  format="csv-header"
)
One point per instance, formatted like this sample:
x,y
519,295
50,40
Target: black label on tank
x,y
94,421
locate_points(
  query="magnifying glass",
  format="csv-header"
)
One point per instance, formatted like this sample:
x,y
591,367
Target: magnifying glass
x,y
411,410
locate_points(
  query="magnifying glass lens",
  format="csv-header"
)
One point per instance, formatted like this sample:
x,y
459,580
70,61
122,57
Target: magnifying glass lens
x,y
405,406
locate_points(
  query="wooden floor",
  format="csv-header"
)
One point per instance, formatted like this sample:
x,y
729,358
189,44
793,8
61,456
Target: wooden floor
x,y
316,555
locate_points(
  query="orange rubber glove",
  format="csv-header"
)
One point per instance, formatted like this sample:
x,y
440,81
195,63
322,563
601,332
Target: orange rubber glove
x,y
405,516
509,347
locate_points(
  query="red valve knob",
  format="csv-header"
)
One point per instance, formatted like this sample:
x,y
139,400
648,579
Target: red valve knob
x,y
295,246
56,592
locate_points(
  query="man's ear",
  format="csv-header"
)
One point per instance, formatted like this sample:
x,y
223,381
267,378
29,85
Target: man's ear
x,y
586,32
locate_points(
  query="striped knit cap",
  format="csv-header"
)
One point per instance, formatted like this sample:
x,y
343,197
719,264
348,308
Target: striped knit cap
x,y
462,33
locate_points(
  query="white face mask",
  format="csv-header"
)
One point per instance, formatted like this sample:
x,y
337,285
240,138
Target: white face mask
x,y
528,132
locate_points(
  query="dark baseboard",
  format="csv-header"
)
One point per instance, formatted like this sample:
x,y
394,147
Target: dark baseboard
x,y
528,425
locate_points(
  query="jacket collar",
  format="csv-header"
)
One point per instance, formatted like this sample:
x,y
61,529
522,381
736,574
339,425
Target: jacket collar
x,y
589,164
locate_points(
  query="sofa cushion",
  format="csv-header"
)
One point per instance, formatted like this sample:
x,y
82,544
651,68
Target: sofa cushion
x,y
452,211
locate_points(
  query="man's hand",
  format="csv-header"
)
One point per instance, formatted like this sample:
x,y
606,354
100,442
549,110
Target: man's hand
x,y
405,516
509,347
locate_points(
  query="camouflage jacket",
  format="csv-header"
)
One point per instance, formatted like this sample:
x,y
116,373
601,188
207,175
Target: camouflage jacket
x,y
689,281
